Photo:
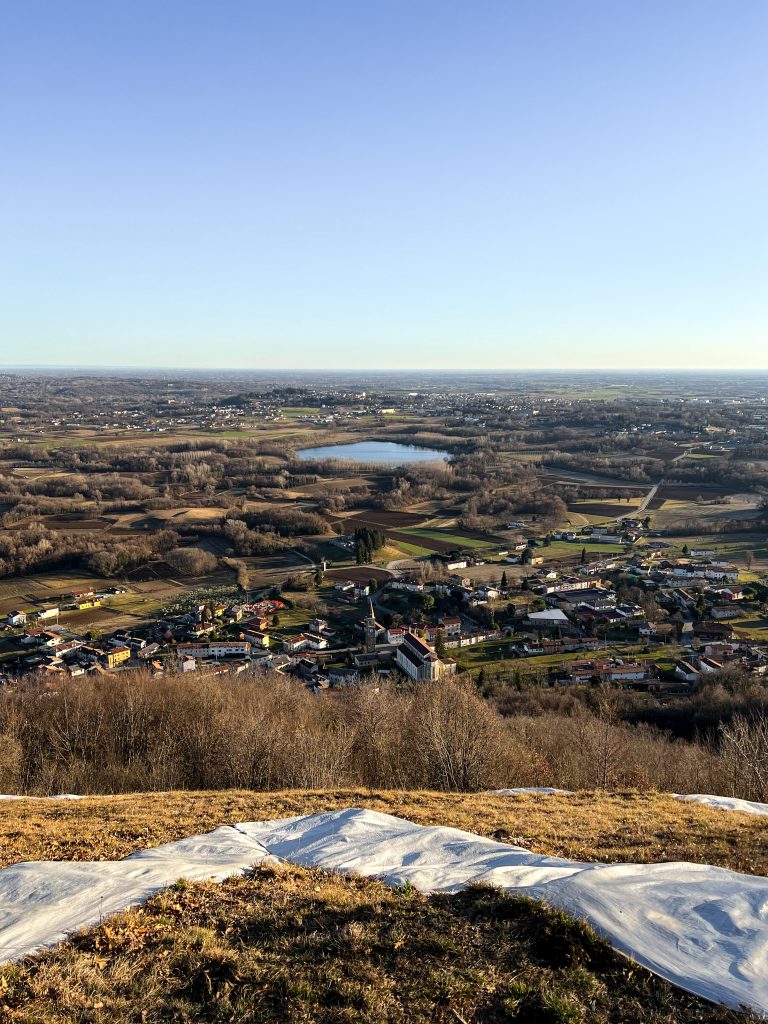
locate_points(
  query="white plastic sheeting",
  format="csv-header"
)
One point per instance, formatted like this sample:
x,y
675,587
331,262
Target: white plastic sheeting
x,y
59,796
535,790
41,902
725,803
703,928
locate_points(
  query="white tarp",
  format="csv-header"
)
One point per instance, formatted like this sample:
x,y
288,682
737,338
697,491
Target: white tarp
x,y
59,796
725,803
534,790
41,902
703,928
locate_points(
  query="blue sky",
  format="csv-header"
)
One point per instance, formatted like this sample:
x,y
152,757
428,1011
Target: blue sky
x,y
384,183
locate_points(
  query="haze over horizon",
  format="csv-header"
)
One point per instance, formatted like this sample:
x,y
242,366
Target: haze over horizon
x,y
340,186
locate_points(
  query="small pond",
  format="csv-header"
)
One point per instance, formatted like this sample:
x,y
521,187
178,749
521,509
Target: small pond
x,y
387,452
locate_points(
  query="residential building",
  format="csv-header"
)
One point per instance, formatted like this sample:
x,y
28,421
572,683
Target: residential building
x,y
215,649
115,656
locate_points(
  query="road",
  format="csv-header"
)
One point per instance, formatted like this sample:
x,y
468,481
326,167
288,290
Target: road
x,y
635,512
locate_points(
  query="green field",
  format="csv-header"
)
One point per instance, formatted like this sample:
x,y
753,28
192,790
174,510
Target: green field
x,y
753,629
449,538
414,550
496,653
301,410
568,549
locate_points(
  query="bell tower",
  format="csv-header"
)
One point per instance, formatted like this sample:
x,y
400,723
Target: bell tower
x,y
371,630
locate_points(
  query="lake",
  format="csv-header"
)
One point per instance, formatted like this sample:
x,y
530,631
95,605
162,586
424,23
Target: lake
x,y
388,452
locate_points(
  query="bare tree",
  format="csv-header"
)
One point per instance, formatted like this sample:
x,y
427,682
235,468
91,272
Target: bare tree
x,y
745,751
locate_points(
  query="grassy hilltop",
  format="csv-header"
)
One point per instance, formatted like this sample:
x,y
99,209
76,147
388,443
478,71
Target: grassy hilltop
x,y
291,944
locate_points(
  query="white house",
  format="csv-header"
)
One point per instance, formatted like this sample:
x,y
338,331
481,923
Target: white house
x,y
218,649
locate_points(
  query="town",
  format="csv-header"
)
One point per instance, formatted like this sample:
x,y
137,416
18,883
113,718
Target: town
x,y
525,532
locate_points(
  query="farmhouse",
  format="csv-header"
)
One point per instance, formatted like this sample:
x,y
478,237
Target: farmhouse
x,y
42,638
730,593
48,613
411,585
395,634
255,638
16,618
686,671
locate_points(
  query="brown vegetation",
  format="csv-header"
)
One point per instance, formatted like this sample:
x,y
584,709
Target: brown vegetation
x,y
263,731
587,826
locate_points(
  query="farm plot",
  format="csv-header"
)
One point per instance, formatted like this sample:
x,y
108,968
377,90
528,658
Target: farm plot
x,y
432,542
376,517
752,629
73,523
604,509
20,591
358,574
674,510
454,538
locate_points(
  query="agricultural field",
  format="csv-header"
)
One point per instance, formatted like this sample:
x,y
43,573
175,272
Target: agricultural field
x,y
602,510
451,536
754,628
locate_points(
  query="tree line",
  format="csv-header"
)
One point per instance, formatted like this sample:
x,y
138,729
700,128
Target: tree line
x,y
263,731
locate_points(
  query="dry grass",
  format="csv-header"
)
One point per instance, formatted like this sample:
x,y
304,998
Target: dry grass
x,y
293,945
641,827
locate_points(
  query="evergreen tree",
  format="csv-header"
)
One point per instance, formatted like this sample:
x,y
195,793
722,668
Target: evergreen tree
x,y
504,583
583,556
440,644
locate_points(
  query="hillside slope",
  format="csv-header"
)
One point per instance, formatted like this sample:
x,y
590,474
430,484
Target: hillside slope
x,y
296,944
638,827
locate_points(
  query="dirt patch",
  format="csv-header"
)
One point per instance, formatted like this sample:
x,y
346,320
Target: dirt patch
x,y
605,508
358,574
152,571
384,518
72,523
